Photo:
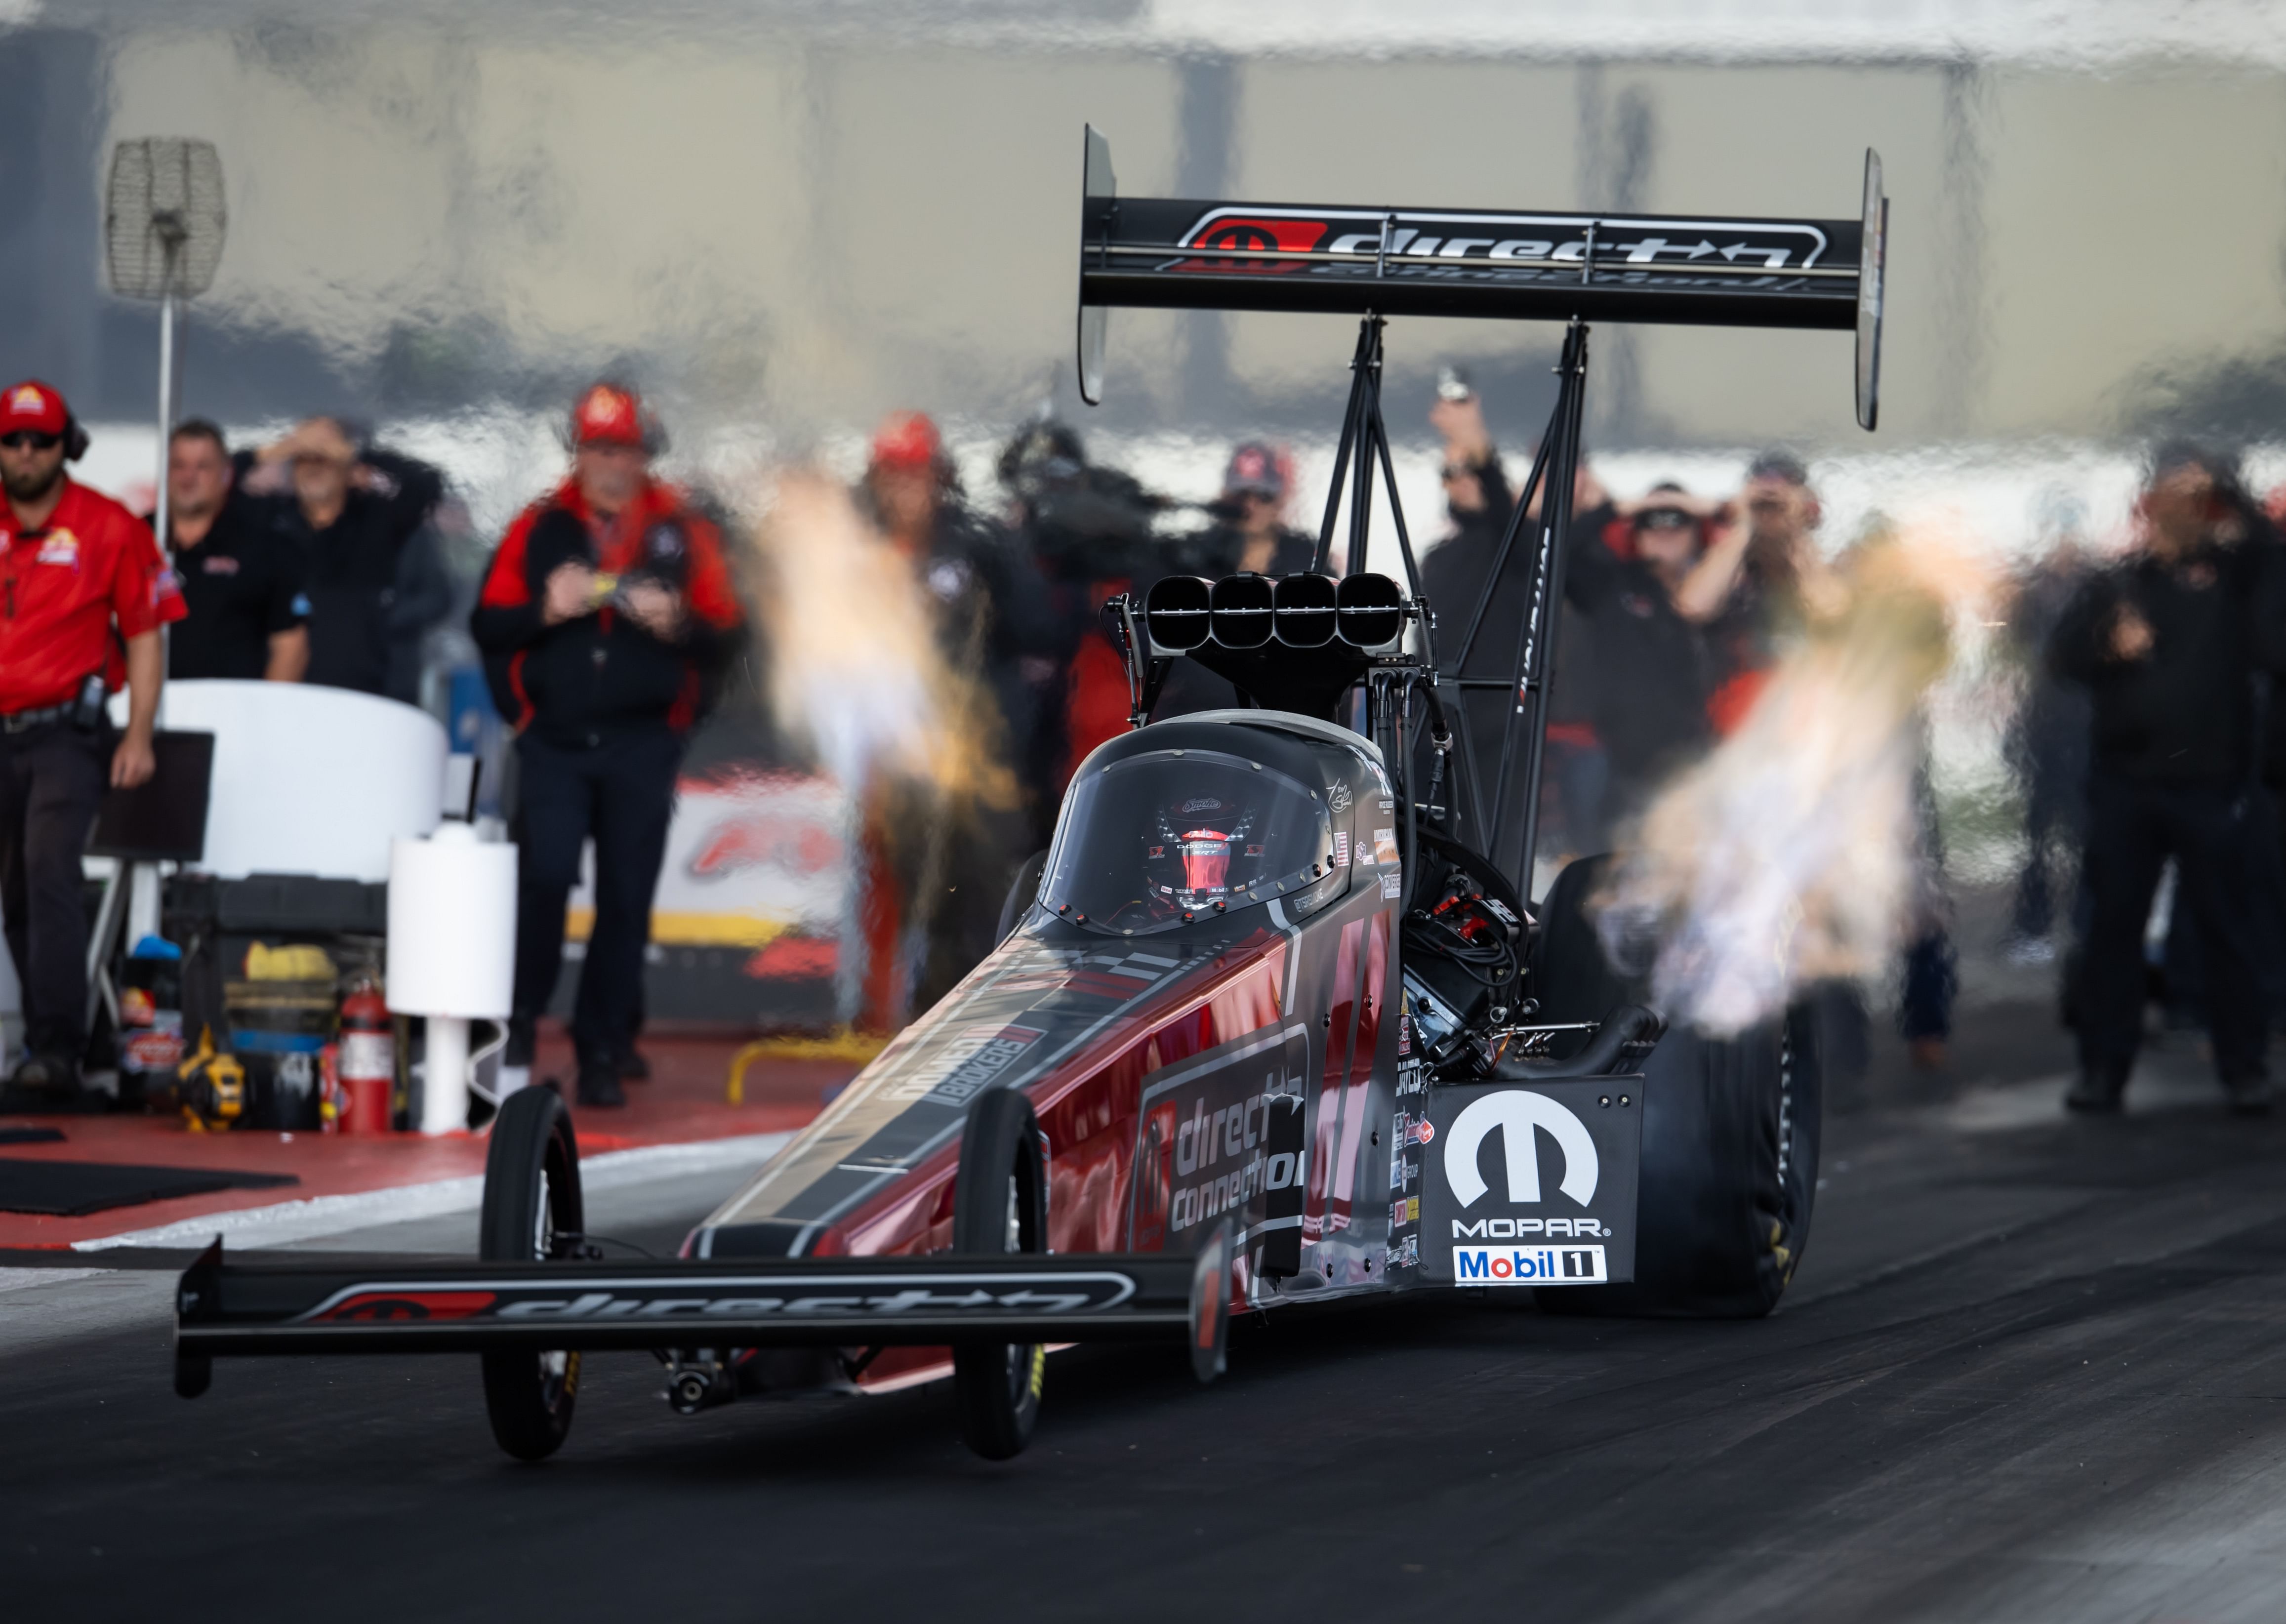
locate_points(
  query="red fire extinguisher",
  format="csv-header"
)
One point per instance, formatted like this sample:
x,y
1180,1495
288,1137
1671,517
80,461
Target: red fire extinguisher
x,y
366,1062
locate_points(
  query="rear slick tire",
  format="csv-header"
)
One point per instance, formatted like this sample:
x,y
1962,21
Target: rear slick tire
x,y
1731,1136
1000,1205
532,1200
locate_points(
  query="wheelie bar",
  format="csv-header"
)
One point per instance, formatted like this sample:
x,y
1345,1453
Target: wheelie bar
x,y
408,1305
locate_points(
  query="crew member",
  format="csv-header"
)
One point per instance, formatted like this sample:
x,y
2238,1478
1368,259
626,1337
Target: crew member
x,y
241,582
940,876
1457,575
604,616
2168,643
1649,692
348,512
76,570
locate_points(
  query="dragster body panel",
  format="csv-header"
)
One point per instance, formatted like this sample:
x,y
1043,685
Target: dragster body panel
x,y
1240,1065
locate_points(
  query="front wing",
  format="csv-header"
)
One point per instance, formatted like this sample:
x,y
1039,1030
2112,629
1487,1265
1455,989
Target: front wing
x,y
406,1305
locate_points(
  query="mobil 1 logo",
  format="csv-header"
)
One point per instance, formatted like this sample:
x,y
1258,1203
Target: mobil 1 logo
x,y
1532,1184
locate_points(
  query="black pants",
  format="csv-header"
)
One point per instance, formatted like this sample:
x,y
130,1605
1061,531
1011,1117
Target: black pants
x,y
51,781
2133,830
621,794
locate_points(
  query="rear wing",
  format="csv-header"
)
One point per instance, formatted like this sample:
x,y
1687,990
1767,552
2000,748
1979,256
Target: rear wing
x,y
1701,270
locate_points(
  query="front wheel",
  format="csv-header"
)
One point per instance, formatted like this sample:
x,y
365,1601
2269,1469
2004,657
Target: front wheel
x,y
532,1200
999,1206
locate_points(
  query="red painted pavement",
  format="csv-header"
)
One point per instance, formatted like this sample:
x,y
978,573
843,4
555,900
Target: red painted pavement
x,y
682,1103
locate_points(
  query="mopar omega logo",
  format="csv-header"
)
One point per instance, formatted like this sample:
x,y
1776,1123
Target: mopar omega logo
x,y
1515,1114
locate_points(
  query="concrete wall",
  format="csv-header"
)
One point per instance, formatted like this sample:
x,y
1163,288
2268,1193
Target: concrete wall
x,y
812,228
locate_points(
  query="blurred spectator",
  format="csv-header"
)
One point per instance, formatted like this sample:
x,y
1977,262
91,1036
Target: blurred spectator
x,y
2168,643
605,610
2048,742
945,874
349,512
241,581
1754,588
1751,589
422,599
1649,674
1087,530
1457,575
77,570
1251,535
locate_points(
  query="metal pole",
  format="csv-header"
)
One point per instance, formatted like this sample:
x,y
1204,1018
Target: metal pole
x,y
1548,605
144,901
1362,471
166,396
1351,417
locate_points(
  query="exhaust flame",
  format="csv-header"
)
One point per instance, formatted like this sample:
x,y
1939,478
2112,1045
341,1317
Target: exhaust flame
x,y
1790,854
856,669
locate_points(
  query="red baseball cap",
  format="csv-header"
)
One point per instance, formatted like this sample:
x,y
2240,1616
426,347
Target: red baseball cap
x,y
608,415
32,404
907,440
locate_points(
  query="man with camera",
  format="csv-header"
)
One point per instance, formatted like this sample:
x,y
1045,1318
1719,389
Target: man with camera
x,y
74,566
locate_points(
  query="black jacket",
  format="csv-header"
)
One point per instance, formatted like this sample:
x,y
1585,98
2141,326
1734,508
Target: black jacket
x,y
1649,668
350,567
601,675
2183,713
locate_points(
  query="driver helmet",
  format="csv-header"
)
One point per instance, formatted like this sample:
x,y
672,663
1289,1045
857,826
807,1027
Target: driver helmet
x,y
1202,850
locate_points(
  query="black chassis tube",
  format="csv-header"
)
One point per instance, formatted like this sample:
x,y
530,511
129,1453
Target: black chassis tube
x,y
414,1304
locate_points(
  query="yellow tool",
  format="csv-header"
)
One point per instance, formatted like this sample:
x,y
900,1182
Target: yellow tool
x,y
213,1088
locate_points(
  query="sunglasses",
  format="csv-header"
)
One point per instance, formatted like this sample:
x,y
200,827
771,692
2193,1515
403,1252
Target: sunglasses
x,y
26,439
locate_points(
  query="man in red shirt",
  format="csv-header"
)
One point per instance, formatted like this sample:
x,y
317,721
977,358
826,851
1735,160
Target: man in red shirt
x,y
74,565
605,618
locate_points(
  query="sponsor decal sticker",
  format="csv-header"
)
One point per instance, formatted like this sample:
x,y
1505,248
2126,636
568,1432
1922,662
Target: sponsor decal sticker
x,y
1391,883
1528,1265
411,1306
968,1063
1519,1229
1338,798
1527,1176
1341,850
1515,1113
1384,846
1234,1139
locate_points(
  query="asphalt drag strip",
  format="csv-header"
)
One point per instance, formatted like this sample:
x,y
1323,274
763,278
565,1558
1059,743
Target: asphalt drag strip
x,y
2032,1369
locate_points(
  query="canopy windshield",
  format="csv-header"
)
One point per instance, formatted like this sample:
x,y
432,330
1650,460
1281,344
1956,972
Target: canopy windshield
x,y
1156,840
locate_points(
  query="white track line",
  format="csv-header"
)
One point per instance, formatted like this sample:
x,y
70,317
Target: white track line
x,y
331,1214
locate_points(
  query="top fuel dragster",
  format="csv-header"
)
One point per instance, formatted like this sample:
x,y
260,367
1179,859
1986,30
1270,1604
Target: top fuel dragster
x,y
1272,1021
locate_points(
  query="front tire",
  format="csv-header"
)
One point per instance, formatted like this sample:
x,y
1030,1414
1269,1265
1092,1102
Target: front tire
x,y
999,1206
532,1200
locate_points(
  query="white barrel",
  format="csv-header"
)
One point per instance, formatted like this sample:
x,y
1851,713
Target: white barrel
x,y
451,925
